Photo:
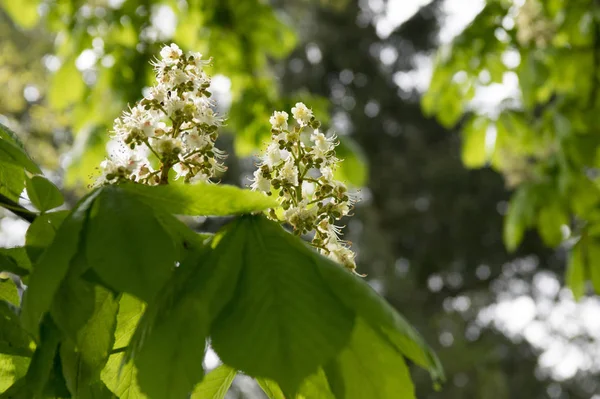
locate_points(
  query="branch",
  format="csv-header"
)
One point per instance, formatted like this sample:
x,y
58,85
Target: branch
x,y
17,209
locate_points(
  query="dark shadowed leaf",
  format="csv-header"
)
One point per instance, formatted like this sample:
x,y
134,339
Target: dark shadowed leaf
x,y
283,313
41,233
13,339
126,245
53,265
168,347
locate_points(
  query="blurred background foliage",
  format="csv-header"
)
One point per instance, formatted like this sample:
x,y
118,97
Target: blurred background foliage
x,y
470,128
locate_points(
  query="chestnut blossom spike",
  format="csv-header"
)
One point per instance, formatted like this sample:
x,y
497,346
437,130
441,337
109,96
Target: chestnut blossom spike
x,y
175,121
298,166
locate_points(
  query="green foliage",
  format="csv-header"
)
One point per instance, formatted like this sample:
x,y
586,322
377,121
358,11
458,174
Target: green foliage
x,y
545,143
261,295
41,233
289,314
127,246
43,194
216,383
201,199
13,154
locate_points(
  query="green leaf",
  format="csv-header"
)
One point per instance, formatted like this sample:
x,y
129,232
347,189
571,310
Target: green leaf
x,y
13,339
315,386
9,292
53,265
270,388
215,384
43,194
474,153
550,220
201,199
575,276
12,368
13,154
7,134
369,367
168,347
126,245
9,264
120,377
516,219
284,313
41,233
379,315
353,169
94,340
12,180
19,256
42,363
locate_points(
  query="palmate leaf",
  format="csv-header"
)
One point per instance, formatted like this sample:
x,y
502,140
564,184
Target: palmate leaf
x,y
127,246
284,321
168,346
201,199
296,312
53,265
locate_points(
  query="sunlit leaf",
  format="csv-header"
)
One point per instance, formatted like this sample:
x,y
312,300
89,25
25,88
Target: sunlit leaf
x,y
201,199
43,194
215,384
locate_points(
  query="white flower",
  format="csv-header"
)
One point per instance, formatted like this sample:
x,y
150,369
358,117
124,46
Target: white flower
x,y
260,182
158,93
308,189
181,170
279,120
302,114
341,254
170,54
273,155
176,76
322,143
301,215
200,178
289,172
327,173
174,104
195,140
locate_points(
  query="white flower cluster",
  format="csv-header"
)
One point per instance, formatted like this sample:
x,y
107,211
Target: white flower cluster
x,y
298,166
175,122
